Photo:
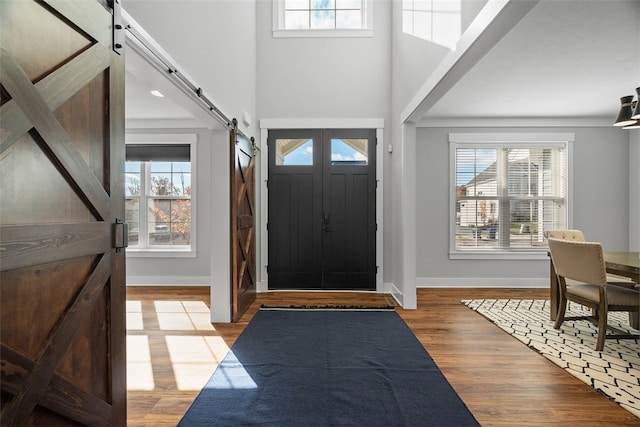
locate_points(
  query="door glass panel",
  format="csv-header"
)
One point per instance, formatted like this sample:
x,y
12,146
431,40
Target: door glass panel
x,y
349,152
294,152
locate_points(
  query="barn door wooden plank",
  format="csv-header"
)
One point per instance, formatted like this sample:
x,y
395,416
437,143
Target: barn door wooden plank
x,y
55,89
51,136
89,16
24,245
61,397
45,365
117,290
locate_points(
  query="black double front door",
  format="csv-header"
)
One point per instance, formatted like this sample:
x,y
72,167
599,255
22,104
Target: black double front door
x,y
322,209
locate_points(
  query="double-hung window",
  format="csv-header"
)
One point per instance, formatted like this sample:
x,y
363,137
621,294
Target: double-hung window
x,y
159,192
322,18
506,191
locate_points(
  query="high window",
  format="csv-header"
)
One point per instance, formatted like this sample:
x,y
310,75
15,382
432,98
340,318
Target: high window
x,y
507,190
437,21
326,18
159,190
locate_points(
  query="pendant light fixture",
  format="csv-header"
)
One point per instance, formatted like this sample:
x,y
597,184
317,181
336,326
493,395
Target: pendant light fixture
x,y
636,111
629,115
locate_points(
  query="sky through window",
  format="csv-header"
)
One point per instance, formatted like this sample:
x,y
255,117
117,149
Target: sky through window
x,y
323,14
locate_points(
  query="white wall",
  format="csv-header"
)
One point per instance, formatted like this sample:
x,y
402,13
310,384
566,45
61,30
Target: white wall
x,y
214,42
634,191
326,78
334,77
600,206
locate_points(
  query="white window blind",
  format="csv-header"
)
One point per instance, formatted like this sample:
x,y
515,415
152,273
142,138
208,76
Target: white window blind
x,y
507,194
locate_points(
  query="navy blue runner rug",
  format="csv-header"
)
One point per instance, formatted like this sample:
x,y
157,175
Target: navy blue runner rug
x,y
327,368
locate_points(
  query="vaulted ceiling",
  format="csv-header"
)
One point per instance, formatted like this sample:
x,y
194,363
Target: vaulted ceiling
x,y
563,59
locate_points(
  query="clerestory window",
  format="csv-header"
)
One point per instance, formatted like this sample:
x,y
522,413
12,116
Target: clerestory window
x,y
322,18
437,21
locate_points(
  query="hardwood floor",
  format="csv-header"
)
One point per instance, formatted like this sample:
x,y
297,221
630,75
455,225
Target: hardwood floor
x,y
173,350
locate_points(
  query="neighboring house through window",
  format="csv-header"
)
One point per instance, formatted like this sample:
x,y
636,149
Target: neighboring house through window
x,y
322,18
159,191
507,189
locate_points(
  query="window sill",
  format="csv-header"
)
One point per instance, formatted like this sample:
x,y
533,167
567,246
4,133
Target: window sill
x,y
160,253
492,255
321,33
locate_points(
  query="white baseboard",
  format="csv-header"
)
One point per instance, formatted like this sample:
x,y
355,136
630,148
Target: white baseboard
x,y
263,286
482,282
168,281
390,288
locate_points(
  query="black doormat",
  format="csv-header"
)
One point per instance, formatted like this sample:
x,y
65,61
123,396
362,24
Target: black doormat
x,y
327,307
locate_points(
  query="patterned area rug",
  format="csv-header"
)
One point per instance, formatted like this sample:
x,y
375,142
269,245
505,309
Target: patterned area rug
x,y
614,372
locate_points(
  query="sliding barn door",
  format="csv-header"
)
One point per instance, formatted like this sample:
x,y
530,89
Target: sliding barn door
x,y
243,231
61,176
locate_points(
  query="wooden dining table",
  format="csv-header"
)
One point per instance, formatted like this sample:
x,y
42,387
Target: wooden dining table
x,y
625,264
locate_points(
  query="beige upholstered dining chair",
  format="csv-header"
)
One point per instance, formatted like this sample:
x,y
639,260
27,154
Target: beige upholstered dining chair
x,y
575,235
578,236
584,262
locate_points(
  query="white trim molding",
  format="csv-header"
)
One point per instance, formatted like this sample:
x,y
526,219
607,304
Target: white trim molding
x,y
482,282
220,218
158,136
168,281
514,122
390,288
512,138
507,139
335,123
408,260
279,30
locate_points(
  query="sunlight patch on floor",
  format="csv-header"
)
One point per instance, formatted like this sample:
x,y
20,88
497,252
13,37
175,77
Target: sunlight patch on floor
x,y
191,344
183,315
135,321
139,369
194,358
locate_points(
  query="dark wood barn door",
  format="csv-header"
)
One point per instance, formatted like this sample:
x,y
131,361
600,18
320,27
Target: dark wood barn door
x,y
243,242
61,176
322,209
